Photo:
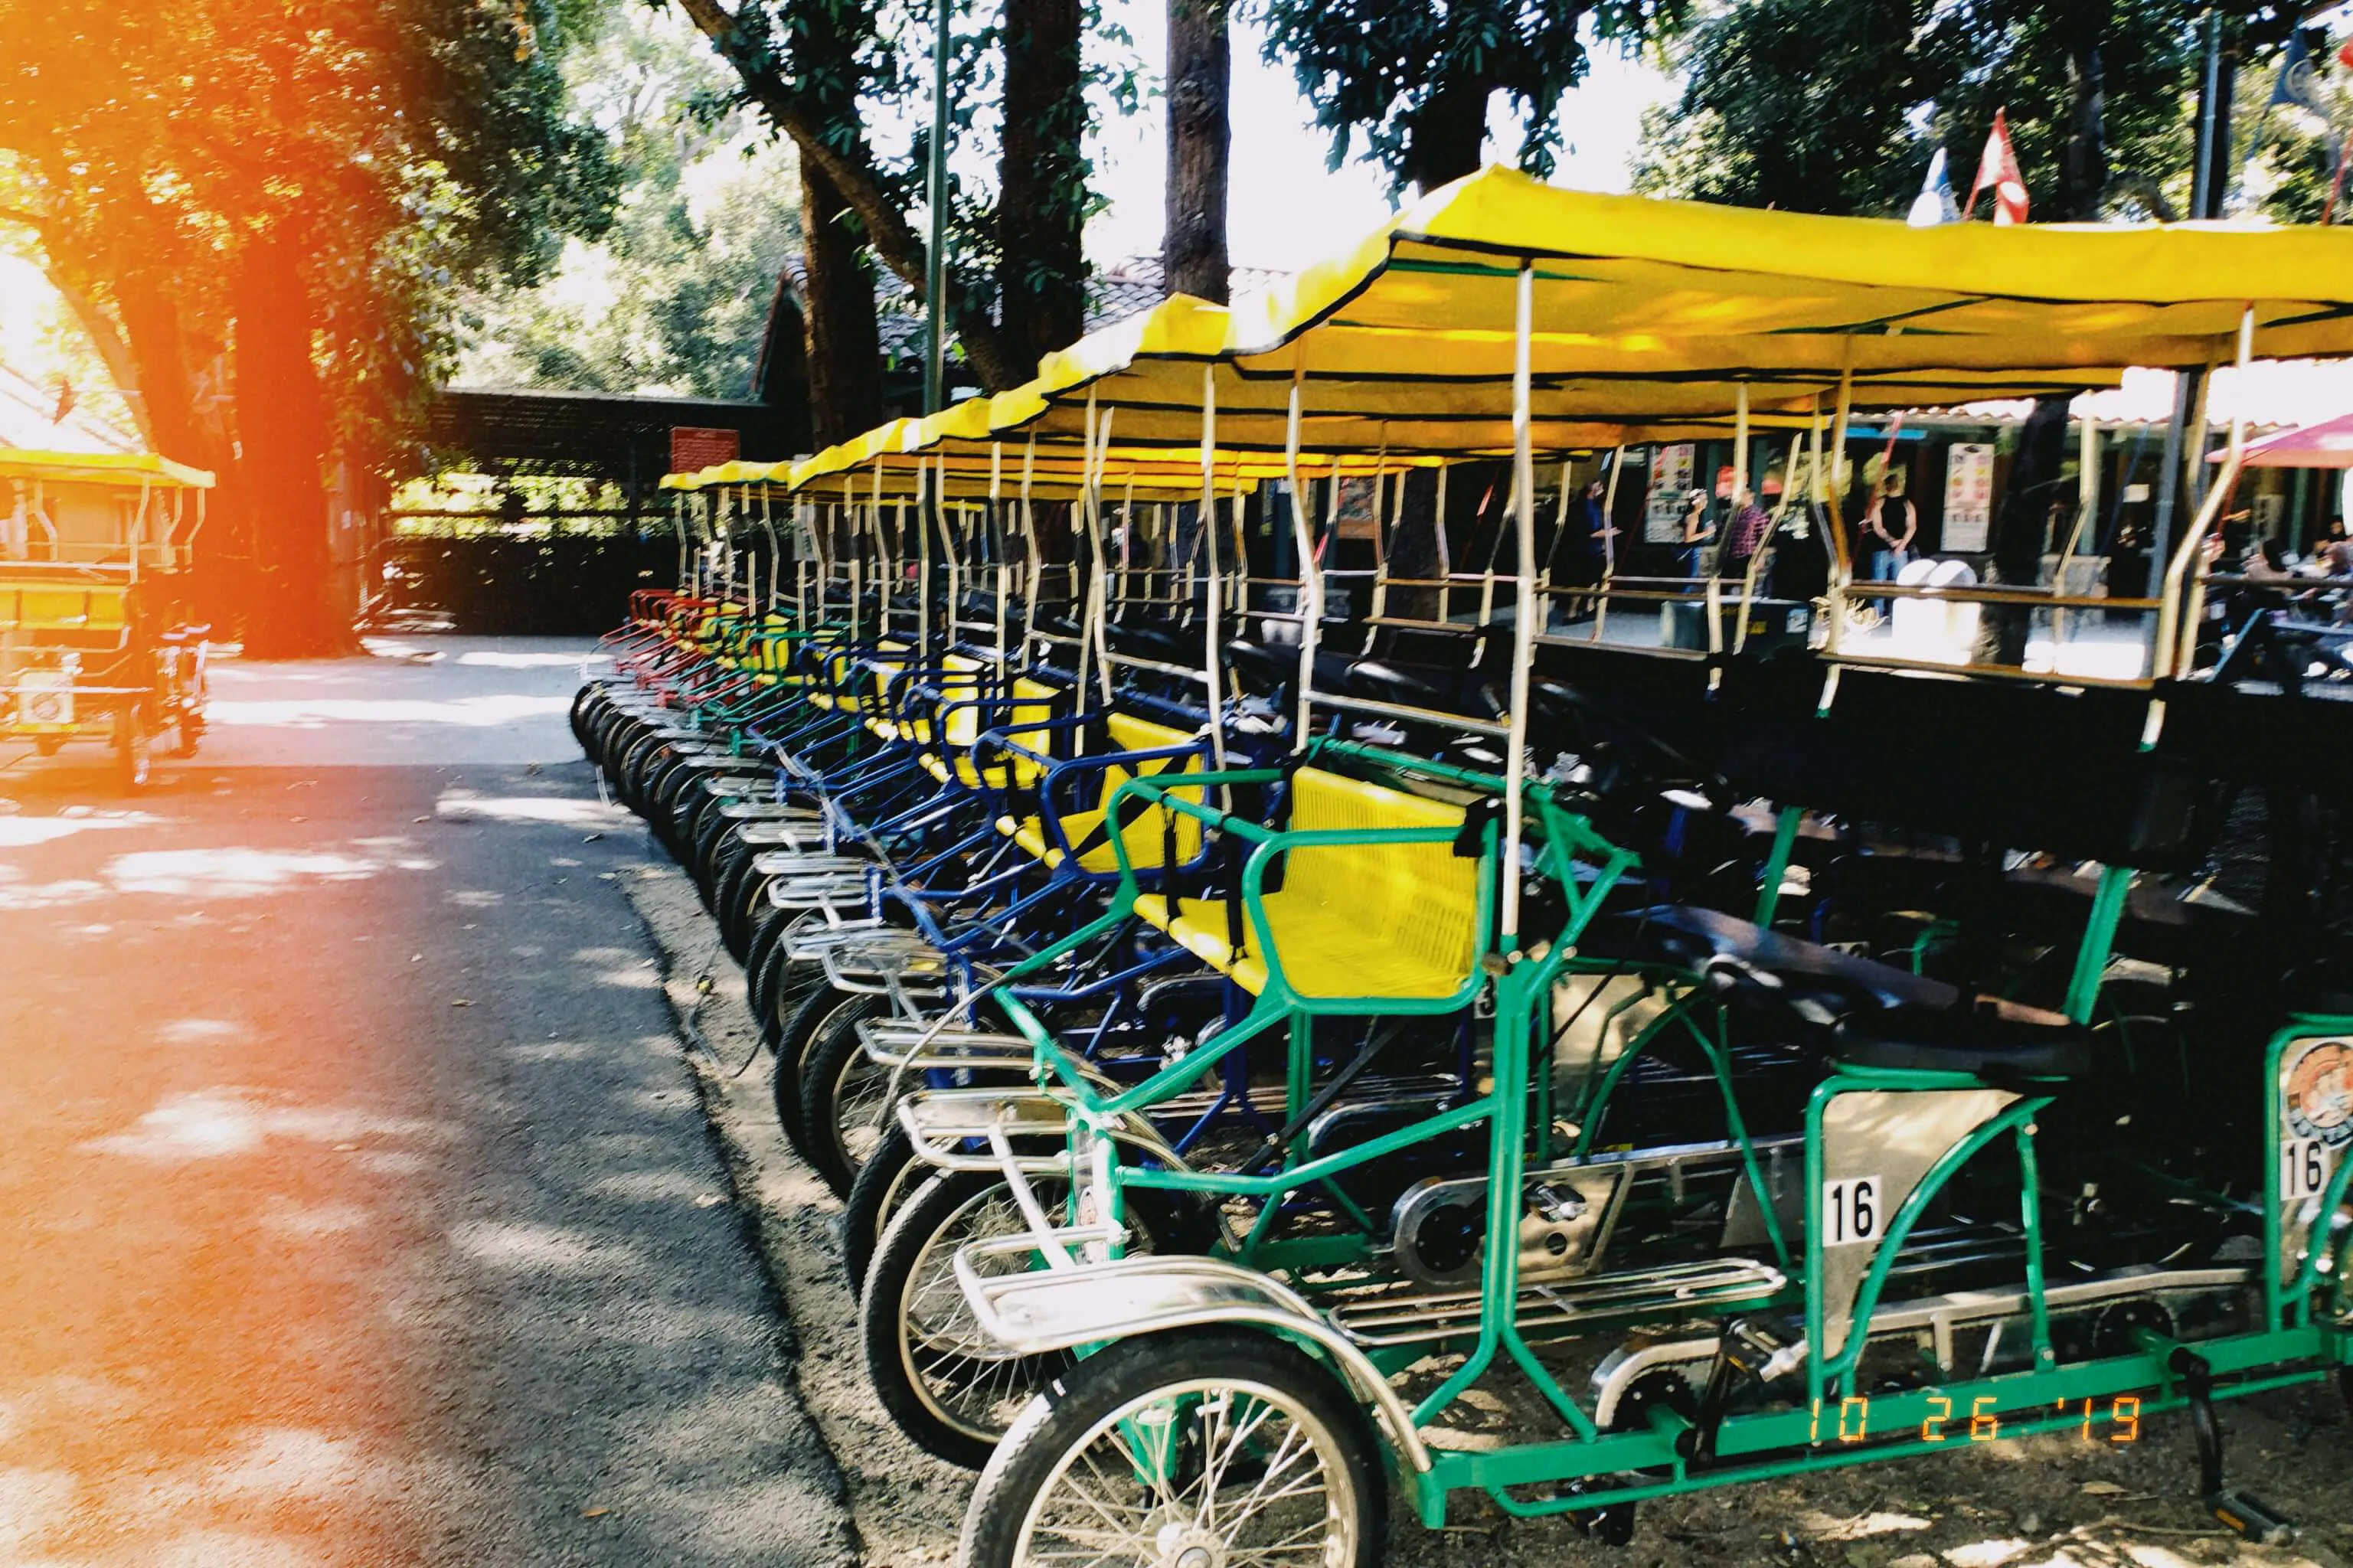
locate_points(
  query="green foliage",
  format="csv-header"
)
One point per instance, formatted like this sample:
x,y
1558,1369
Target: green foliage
x,y
405,147
674,295
1835,106
1387,69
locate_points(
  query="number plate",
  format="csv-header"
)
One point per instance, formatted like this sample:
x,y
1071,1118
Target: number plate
x,y
2304,1167
1852,1210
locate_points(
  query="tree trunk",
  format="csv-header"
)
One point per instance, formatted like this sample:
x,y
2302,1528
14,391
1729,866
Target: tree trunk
x,y
1041,183
281,416
1449,130
151,325
1201,75
853,171
844,341
2083,171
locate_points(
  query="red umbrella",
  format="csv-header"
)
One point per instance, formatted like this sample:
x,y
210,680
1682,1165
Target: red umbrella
x,y
2328,445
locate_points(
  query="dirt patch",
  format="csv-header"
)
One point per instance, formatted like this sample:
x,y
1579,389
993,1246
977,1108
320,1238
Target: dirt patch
x,y
2004,1504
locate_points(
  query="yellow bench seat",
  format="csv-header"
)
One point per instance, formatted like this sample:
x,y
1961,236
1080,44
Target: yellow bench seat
x,y
1372,920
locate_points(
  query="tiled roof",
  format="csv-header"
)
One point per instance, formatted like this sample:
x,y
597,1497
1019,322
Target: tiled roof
x,y
25,407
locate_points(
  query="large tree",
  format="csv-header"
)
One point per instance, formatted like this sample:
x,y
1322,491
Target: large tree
x,y
1414,78
1200,74
755,37
1834,106
262,211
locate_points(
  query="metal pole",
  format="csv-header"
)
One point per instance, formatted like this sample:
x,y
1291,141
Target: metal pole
x,y
1523,480
2204,199
935,280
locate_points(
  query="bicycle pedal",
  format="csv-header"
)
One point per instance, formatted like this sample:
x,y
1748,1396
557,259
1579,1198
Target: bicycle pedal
x,y
2253,1517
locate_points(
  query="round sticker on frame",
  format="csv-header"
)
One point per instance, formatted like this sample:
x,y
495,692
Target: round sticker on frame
x,y
2318,1098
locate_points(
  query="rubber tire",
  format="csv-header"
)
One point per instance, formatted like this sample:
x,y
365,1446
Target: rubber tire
x,y
878,1194
135,751
1028,1455
938,1201
834,1054
791,1047
585,701
740,896
763,967
1162,1227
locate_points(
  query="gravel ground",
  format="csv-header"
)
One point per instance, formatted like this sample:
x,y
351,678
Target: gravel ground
x,y
2006,1504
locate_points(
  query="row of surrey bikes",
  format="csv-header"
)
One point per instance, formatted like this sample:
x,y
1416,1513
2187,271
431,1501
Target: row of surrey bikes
x,y
1178,1069
1280,1047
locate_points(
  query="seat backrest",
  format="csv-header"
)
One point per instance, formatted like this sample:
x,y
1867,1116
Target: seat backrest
x,y
60,607
1147,834
2018,766
1421,898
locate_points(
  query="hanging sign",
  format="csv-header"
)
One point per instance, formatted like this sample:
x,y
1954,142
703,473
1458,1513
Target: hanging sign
x,y
1968,497
1671,482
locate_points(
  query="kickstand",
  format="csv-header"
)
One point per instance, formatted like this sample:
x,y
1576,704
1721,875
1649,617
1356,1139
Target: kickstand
x,y
2250,1517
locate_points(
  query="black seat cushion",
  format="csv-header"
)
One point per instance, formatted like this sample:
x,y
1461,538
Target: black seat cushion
x,y
1432,686
1689,937
1991,1039
1162,645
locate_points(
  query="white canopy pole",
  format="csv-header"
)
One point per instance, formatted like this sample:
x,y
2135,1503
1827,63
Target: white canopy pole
x,y
1302,539
997,520
1523,641
1213,644
1030,549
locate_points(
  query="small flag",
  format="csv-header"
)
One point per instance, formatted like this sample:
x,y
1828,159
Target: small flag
x,y
2299,78
1935,204
1998,168
67,398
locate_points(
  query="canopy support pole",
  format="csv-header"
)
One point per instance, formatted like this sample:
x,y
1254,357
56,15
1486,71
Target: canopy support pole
x,y
1097,643
2178,614
1030,550
1311,579
1826,477
1609,541
1524,642
1213,608
995,519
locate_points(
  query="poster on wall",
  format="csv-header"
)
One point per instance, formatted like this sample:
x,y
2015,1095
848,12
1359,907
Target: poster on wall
x,y
1968,497
1671,481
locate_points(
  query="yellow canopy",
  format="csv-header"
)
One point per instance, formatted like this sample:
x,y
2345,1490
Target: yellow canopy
x,y
1650,314
102,468
1650,318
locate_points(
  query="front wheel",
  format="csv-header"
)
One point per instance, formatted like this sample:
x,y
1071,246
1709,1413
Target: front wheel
x,y
135,751
845,1095
1213,1447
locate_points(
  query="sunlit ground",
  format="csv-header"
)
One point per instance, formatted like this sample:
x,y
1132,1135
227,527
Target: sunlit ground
x,y
356,1208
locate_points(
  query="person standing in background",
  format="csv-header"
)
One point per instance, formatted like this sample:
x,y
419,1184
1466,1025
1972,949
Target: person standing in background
x,y
1697,531
1743,535
1888,528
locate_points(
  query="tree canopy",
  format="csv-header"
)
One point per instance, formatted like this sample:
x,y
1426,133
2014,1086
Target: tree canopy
x,y
674,296
1835,106
262,212
1414,78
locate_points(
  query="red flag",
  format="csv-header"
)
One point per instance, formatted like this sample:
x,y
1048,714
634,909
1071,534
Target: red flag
x,y
1998,169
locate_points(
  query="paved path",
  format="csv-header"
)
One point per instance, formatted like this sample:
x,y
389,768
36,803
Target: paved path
x,y
359,1207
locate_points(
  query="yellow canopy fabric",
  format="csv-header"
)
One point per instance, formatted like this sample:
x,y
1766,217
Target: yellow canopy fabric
x,y
1649,313
1650,317
102,468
